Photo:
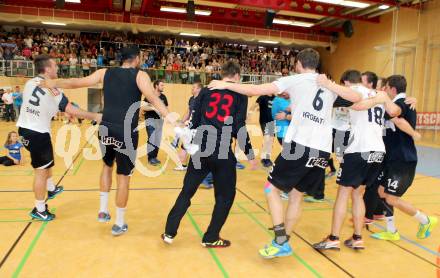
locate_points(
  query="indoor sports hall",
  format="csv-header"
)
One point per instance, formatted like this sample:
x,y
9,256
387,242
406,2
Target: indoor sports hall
x,y
182,43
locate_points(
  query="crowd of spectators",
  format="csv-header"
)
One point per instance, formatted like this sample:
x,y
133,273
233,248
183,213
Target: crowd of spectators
x,y
175,59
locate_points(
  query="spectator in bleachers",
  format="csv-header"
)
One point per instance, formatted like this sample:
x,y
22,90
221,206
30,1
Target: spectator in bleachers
x,y
18,100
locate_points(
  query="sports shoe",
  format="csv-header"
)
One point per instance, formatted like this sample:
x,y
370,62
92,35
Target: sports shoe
x,y
379,217
103,217
327,244
154,161
52,194
425,230
167,238
240,166
180,168
117,231
266,163
310,199
42,216
284,196
275,250
386,236
356,244
206,186
220,243
368,221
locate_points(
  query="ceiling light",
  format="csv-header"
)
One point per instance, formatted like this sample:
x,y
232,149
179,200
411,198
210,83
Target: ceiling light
x,y
383,7
292,23
190,34
53,23
346,3
71,1
183,11
269,42
203,12
172,10
354,4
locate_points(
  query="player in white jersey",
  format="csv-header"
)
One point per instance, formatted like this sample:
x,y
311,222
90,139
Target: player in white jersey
x,y
38,109
307,144
361,164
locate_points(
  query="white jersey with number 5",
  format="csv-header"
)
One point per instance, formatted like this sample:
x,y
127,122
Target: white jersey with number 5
x,y
366,126
39,106
311,124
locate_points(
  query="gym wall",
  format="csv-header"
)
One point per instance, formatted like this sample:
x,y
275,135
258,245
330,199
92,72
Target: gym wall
x,y
405,42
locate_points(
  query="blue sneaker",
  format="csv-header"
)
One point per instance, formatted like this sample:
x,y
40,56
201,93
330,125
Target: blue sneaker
x,y
117,231
240,166
276,250
52,194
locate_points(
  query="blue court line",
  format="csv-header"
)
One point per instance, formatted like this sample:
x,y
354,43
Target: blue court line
x,y
412,242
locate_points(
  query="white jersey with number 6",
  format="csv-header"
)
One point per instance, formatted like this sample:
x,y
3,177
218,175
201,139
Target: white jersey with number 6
x,y
40,106
366,126
311,124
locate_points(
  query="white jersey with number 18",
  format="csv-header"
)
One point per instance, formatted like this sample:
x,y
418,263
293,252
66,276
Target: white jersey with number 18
x,y
311,124
40,106
366,126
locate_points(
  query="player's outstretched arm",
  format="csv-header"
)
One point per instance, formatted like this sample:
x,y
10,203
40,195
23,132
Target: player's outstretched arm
x,y
244,89
82,114
73,83
404,126
342,91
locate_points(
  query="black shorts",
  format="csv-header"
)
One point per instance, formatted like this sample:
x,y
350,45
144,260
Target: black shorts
x,y
298,167
40,147
360,169
268,128
340,141
114,147
398,176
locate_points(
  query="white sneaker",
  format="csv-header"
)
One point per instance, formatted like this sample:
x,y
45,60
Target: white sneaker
x,y
180,168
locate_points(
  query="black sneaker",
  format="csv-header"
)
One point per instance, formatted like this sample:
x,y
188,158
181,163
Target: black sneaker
x,y
266,163
43,216
220,243
53,194
154,161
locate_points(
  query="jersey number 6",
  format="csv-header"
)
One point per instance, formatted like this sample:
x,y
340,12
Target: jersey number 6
x,y
318,103
216,97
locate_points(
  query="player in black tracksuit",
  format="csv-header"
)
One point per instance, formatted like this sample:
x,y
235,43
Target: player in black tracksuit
x,y
218,116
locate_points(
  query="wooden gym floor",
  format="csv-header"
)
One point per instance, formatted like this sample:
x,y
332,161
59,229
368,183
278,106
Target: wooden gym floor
x,y
76,245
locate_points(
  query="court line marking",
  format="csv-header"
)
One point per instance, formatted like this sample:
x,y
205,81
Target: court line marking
x,y
303,239
438,263
298,258
97,189
30,249
30,223
211,251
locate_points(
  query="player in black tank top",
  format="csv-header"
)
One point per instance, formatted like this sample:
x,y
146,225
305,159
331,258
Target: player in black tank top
x,y
123,89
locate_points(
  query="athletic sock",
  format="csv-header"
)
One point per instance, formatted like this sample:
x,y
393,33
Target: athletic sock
x,y
103,197
280,234
50,185
331,164
390,224
120,212
40,205
421,217
332,237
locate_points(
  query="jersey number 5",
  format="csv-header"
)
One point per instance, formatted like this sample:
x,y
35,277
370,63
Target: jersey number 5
x,y
318,103
216,98
36,99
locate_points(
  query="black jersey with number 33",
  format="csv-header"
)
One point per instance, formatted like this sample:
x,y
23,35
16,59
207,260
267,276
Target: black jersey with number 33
x,y
221,108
